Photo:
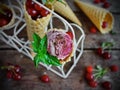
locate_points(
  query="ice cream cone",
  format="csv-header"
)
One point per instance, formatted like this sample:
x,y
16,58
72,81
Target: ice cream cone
x,y
36,26
66,11
97,15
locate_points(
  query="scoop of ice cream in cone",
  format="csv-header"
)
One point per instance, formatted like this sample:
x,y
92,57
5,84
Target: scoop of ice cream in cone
x,y
55,48
6,16
66,11
100,17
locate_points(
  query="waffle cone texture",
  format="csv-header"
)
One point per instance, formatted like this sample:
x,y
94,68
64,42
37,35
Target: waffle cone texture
x,y
97,15
36,26
66,11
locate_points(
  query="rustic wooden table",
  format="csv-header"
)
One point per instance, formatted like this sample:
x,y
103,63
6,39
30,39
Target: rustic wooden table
x,y
75,81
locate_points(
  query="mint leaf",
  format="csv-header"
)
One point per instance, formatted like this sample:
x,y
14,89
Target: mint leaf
x,y
43,44
107,44
36,42
53,60
44,1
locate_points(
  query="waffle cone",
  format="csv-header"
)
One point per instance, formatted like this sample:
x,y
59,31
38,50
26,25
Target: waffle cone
x,y
36,26
66,11
97,15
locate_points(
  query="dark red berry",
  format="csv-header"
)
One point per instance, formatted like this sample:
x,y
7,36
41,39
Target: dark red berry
x,y
99,51
38,7
44,13
17,76
93,30
3,22
89,69
114,68
45,78
17,68
30,4
9,74
96,1
89,76
93,84
106,5
106,85
106,55
32,12
102,0
104,24
70,34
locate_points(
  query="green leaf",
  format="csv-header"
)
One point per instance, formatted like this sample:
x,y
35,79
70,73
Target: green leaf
x,y
43,45
36,60
107,44
53,60
36,42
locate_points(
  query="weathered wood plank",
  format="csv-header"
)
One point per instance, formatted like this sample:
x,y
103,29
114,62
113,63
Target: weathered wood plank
x,y
75,81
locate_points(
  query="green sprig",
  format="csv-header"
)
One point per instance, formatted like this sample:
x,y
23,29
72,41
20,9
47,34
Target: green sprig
x,y
108,45
40,48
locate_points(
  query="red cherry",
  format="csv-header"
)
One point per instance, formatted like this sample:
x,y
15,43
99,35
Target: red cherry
x,y
89,69
114,68
32,12
89,76
70,34
102,0
104,24
3,22
106,5
96,1
30,4
38,7
9,74
106,55
17,68
93,30
17,76
44,13
93,83
106,85
45,78
99,51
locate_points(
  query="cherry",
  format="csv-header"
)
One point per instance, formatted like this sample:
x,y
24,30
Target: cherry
x,y
32,12
114,68
93,83
102,0
96,1
106,85
70,34
17,76
89,76
104,24
38,7
17,68
89,69
45,78
99,51
93,30
29,3
44,13
106,5
106,55
9,74
3,22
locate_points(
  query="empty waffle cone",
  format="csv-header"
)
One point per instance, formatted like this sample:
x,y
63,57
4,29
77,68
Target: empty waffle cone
x,y
36,26
97,15
66,11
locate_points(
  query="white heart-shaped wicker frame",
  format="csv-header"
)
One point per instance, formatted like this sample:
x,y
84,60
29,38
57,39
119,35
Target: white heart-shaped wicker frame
x,y
22,45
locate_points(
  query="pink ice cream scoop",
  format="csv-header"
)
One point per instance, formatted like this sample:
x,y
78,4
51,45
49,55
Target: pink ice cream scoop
x,y
59,44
